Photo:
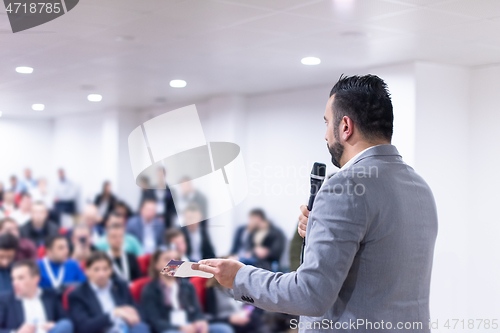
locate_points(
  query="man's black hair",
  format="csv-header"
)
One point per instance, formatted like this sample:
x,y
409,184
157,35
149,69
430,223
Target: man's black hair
x,y
97,256
258,212
8,242
367,101
50,241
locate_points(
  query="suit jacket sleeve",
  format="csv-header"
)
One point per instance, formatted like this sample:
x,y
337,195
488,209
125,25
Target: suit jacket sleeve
x,y
152,310
337,224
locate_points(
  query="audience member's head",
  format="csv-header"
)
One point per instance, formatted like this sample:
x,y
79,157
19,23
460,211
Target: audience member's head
x,y
9,198
106,188
42,184
148,210
99,269
115,233
57,249
115,218
62,174
122,209
175,238
90,216
81,235
186,186
13,182
27,173
25,202
257,219
192,215
159,259
8,249
9,226
25,278
39,214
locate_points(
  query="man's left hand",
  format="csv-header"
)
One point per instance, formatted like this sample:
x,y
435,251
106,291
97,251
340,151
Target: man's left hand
x,y
224,270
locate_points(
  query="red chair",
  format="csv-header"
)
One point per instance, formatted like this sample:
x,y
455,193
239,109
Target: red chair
x,y
65,301
143,262
136,287
200,285
41,252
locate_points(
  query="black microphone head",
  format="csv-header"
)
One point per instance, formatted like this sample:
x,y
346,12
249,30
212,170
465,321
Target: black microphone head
x,y
319,170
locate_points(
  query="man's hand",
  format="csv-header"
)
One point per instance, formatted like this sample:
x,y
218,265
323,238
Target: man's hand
x,y
239,318
224,270
27,328
48,326
127,313
303,217
201,326
261,252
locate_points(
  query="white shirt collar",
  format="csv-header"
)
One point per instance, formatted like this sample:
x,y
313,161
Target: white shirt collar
x,y
98,289
38,294
353,159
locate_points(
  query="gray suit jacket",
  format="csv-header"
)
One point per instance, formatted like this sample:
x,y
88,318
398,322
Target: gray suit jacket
x,y
368,257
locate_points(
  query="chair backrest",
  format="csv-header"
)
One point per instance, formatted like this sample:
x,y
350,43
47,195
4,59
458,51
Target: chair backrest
x,y
200,284
41,252
137,286
65,295
143,262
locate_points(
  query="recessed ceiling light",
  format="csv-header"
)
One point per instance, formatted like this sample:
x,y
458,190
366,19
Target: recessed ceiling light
x,y
24,70
178,83
38,107
94,97
310,61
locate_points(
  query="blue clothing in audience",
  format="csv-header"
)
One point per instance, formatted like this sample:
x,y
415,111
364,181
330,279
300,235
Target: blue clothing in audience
x,y
5,279
72,273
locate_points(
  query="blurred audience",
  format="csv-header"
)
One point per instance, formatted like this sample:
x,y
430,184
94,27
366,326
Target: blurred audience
x,y
162,195
28,183
2,190
15,185
123,209
198,241
57,270
8,203
66,195
171,305
41,193
29,309
146,227
26,248
221,307
125,265
39,227
80,246
175,239
188,194
91,218
8,249
130,242
23,212
103,304
105,201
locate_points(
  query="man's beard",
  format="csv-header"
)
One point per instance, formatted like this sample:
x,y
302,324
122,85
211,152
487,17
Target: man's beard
x,y
336,151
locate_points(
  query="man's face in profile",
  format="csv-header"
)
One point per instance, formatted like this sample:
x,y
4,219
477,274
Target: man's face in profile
x,y
332,136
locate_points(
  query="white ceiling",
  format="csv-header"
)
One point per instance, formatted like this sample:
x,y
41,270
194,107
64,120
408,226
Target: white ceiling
x,y
227,46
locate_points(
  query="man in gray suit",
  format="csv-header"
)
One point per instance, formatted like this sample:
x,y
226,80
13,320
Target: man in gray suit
x,y
370,236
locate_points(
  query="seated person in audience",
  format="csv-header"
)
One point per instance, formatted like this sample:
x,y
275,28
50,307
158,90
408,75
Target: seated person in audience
x,y
80,243
29,309
105,201
8,203
8,249
26,248
39,227
103,304
130,242
170,304
91,218
23,213
125,265
122,209
221,307
242,242
56,270
146,227
198,241
268,241
175,239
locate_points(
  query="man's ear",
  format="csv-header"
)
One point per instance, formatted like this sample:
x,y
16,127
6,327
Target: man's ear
x,y
347,127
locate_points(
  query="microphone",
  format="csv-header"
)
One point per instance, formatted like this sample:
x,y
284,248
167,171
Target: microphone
x,y
318,173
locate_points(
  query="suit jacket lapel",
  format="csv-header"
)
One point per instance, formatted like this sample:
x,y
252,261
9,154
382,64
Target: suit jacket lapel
x,y
18,311
48,307
92,297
